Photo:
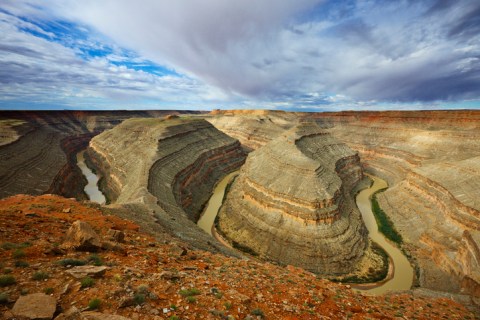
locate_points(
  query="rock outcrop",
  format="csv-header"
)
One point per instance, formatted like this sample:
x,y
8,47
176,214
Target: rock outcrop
x,y
35,306
431,160
38,148
168,165
291,203
253,128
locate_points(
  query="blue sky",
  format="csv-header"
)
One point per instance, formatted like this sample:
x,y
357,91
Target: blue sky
x,y
307,55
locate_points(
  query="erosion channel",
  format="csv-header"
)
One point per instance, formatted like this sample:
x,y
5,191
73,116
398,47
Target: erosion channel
x,y
91,189
403,272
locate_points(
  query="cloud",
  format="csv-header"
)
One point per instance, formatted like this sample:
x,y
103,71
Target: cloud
x,y
307,53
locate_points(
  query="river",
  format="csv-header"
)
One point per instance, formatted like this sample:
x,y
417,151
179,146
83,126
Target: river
x,y
403,272
91,189
207,219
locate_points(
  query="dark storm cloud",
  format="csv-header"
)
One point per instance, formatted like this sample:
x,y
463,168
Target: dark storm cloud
x,y
280,52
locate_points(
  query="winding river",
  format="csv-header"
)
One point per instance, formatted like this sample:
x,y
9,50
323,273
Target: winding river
x,y
91,189
403,272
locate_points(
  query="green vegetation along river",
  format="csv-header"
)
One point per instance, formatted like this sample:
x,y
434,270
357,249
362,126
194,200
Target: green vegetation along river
x,y
403,272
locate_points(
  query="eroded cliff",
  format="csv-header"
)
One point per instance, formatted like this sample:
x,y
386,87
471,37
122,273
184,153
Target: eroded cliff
x,y
169,165
291,203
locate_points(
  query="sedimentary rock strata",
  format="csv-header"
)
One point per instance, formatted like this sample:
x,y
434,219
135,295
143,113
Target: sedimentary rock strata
x,y
169,165
431,160
253,128
291,202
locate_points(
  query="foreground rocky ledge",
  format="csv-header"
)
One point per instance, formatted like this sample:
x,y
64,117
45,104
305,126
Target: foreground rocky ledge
x,y
291,203
156,276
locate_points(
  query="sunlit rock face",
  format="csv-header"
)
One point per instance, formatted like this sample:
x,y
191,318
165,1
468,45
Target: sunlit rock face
x,y
291,202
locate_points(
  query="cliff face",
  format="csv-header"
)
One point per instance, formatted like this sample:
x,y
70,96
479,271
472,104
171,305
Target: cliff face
x,y
431,161
171,166
38,148
253,128
291,203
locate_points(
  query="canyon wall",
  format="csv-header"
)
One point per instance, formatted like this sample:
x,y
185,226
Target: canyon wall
x,y
168,165
253,128
291,203
38,148
432,163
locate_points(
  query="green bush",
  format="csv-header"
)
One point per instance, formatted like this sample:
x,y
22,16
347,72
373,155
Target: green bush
x,y
258,312
189,292
191,299
139,298
385,225
95,260
71,262
6,280
48,290
40,275
3,298
10,246
18,253
94,304
21,264
87,282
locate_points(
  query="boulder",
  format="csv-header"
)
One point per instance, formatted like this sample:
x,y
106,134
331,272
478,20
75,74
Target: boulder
x,y
82,237
35,306
84,271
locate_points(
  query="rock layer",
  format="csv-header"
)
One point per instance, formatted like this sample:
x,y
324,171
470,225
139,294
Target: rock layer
x,y
432,163
170,166
291,203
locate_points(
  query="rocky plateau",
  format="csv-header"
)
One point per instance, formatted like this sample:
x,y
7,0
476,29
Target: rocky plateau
x,y
291,204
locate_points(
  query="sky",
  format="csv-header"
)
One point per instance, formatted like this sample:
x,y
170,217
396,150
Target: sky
x,y
304,55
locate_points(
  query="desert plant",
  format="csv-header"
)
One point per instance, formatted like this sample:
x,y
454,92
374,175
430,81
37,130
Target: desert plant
x,y
258,312
189,292
18,253
21,264
95,259
3,298
87,282
40,275
6,280
139,298
191,299
94,304
48,290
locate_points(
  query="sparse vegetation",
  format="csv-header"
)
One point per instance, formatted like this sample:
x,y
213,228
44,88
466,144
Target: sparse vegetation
x,y
191,299
18,253
6,280
189,292
385,225
40,275
258,312
21,264
10,246
139,298
95,259
87,282
94,304
48,290
3,298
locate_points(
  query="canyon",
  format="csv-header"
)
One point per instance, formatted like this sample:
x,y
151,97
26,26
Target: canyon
x,y
293,201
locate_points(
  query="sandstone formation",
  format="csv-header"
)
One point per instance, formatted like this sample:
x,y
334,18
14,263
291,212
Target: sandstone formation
x,y
82,237
432,163
38,148
168,165
35,306
291,203
253,128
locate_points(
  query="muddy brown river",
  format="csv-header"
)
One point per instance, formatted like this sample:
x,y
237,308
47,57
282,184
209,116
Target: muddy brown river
x,y
91,189
403,272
